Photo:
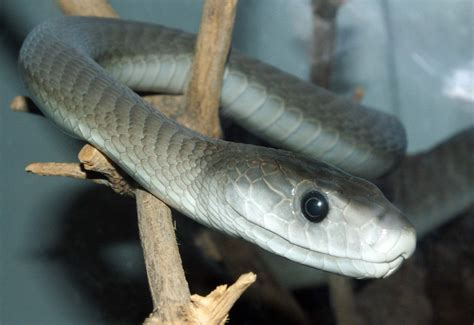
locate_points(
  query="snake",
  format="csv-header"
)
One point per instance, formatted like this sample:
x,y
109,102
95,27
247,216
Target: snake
x,y
309,202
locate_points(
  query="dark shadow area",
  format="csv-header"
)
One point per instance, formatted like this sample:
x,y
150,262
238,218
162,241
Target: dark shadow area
x,y
98,219
449,254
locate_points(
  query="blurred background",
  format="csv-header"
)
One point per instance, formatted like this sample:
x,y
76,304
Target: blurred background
x,y
69,250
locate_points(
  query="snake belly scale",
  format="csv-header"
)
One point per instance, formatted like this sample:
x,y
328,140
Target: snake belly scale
x,y
79,70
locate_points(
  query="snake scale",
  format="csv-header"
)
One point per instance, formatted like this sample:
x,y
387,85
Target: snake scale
x,y
79,70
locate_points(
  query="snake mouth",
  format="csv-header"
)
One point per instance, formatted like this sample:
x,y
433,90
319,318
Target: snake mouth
x,y
394,265
380,265
364,267
353,267
357,268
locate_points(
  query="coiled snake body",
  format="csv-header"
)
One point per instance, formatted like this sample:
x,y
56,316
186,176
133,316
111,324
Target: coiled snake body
x,y
311,212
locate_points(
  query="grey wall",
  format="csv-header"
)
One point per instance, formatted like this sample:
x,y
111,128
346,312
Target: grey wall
x,y
412,58
402,53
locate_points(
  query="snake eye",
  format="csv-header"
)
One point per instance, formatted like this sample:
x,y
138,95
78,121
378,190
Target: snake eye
x,y
314,206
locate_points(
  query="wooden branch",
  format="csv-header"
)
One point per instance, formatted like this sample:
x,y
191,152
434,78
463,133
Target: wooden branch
x,y
93,166
96,164
237,256
72,170
169,289
97,8
358,94
212,47
18,104
170,105
24,104
213,308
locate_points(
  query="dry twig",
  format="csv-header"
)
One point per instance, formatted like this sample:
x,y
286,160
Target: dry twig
x,y
170,292
212,46
97,8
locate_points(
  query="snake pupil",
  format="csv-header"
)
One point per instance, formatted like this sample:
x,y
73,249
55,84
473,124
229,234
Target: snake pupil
x,y
314,206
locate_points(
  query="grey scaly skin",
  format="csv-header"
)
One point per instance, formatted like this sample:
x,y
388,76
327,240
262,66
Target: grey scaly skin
x,y
252,192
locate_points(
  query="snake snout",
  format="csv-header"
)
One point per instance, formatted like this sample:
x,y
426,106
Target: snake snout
x,y
406,244
398,233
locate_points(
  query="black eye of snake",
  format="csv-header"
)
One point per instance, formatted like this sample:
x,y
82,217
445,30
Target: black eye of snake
x,y
314,206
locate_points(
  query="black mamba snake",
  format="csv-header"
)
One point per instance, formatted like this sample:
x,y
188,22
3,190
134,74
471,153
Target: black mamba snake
x,y
308,211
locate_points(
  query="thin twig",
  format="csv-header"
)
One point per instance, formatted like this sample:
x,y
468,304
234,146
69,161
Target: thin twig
x,y
94,166
23,104
72,170
212,46
218,303
97,8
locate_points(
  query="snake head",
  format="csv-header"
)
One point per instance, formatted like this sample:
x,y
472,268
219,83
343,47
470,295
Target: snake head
x,y
316,215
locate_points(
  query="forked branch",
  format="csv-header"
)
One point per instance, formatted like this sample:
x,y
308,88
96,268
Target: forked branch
x,y
170,293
